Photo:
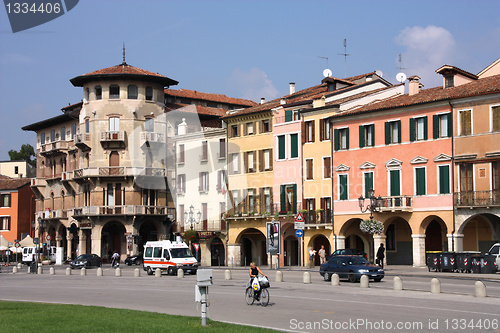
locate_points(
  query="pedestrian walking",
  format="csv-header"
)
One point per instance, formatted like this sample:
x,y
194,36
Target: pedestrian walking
x,y
380,256
312,253
322,255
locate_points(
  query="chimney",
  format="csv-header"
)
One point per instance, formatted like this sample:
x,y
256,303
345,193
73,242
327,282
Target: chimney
x,y
292,88
262,100
182,127
414,85
283,101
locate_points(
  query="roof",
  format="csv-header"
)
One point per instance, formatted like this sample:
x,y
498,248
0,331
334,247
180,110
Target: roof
x,y
122,71
13,183
479,87
191,108
193,94
446,69
63,118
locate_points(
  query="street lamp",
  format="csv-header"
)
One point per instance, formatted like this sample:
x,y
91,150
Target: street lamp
x,y
375,203
189,217
41,225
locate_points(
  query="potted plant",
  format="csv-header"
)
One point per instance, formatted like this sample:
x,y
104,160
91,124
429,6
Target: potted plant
x,y
190,235
371,227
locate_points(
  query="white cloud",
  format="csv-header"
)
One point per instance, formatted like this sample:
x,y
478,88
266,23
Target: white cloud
x,y
253,84
427,49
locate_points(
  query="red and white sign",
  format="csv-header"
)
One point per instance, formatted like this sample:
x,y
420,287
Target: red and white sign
x,y
196,246
48,237
300,223
18,245
299,218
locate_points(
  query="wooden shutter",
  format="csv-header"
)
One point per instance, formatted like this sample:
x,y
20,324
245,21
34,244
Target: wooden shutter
x,y
347,138
321,130
399,131
444,179
288,115
425,128
361,136
271,159
387,133
413,132
281,147
303,132
282,198
435,126
294,146
450,124
294,189
313,131
336,142
420,181
254,166
261,160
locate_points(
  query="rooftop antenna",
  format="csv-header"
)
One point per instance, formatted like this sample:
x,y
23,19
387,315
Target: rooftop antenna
x,y
326,60
123,63
401,63
327,72
345,54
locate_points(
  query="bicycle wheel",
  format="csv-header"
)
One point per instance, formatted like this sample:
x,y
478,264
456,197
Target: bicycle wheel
x,y
264,297
249,296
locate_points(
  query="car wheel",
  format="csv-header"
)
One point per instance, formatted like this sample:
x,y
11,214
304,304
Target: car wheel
x,y
352,277
149,271
327,276
129,263
377,279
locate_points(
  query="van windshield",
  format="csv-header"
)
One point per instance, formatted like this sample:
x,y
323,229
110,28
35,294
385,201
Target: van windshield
x,y
181,253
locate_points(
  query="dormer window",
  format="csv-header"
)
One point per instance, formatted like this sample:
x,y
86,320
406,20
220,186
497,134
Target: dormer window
x,y
132,92
114,91
149,93
98,92
449,82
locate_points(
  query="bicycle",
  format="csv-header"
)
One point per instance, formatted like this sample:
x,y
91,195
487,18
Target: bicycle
x,y
261,296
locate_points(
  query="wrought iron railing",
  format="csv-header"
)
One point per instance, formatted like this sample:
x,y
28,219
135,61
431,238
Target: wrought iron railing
x,y
477,198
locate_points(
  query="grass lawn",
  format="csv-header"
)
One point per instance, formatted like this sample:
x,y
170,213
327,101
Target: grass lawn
x,y
44,317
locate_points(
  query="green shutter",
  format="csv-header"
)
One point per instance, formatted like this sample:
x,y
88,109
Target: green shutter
x,y
343,195
361,136
387,133
282,198
450,126
336,134
425,128
444,179
399,131
281,147
373,134
288,115
368,183
294,142
294,198
420,180
395,183
413,132
347,138
435,126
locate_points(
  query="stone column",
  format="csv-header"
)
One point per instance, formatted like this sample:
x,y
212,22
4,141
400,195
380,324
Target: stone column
x,y
458,239
233,255
69,238
418,250
82,245
96,242
377,239
58,240
205,255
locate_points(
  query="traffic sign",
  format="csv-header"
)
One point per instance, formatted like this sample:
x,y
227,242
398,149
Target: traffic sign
x,y
299,233
299,218
18,245
48,237
36,240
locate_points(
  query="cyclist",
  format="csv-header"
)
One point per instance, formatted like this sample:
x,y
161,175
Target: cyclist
x,y
254,272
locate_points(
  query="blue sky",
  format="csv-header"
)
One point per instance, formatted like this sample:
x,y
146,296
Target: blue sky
x,y
248,49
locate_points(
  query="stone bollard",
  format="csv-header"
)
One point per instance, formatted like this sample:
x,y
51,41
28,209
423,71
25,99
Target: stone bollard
x,y
180,273
435,286
398,283
14,270
100,271
40,270
480,289
335,279
157,273
279,276
137,272
118,272
68,271
364,282
307,277
83,271
52,271
227,274
19,266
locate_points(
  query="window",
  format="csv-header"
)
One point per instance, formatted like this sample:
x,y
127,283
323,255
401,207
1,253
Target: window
x,y
234,131
327,170
114,124
114,91
266,160
222,148
204,151
441,125
326,203
393,132
281,147
132,92
87,125
252,198
235,165
249,129
466,178
288,198
42,138
87,94
181,183
324,133
181,154
341,138
420,181
73,131
265,127
149,125
294,145
310,204
495,118
16,170
98,92
149,93
309,169
181,213
496,176
5,200
366,135
418,129
267,198
395,182
4,222
309,131
203,178
222,181
292,115
465,122
63,133
343,187
52,136
449,82
250,161
368,183
444,179
157,252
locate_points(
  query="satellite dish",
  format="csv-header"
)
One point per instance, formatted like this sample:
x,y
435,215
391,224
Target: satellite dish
x,y
379,73
401,77
327,73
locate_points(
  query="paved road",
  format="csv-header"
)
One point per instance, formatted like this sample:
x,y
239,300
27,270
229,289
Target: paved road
x,y
294,306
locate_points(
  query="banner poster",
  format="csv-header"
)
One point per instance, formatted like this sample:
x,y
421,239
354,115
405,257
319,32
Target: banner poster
x,y
273,237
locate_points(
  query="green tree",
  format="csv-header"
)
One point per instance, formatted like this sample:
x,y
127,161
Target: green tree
x,y
26,153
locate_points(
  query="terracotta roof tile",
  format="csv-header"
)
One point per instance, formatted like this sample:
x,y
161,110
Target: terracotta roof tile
x,y
193,94
13,183
191,108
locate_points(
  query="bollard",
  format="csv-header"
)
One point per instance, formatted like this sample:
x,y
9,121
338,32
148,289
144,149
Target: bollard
x,y
180,273
398,283
52,271
227,274
14,269
307,277
68,271
100,271
137,272
118,272
19,266
435,286
40,270
480,289
364,282
335,279
279,276
83,271
157,273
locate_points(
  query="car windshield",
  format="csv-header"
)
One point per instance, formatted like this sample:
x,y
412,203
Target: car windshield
x,y
181,253
83,257
356,261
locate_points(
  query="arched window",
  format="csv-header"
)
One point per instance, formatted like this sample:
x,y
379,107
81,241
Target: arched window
x,y
132,92
114,91
52,136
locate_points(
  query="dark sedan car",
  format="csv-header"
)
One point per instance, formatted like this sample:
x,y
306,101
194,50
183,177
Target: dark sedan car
x,y
350,267
86,260
136,259
348,252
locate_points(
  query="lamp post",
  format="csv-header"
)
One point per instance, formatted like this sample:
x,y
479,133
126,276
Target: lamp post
x,y
189,217
41,225
375,203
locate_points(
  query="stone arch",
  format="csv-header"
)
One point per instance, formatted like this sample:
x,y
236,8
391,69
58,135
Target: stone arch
x,y
316,242
479,231
113,239
217,252
399,244
253,246
290,246
353,235
147,230
435,231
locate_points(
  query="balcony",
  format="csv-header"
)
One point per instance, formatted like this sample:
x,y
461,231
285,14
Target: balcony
x,y
38,182
112,139
397,203
319,216
54,148
256,210
82,141
126,210
152,139
477,199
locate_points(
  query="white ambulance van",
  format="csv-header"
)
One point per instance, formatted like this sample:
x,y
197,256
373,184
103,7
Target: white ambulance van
x,y
168,256
29,253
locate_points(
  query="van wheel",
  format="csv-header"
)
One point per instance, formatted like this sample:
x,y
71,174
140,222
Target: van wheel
x,y
149,271
170,271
